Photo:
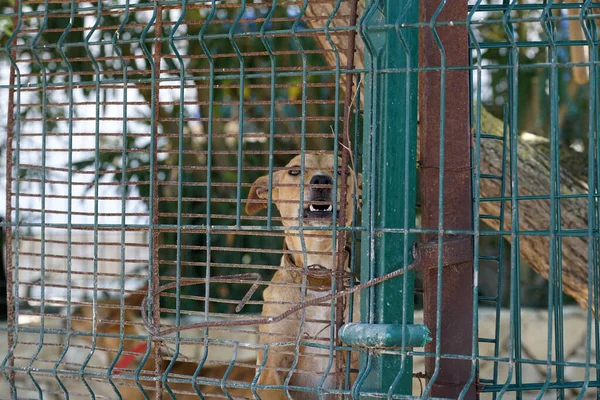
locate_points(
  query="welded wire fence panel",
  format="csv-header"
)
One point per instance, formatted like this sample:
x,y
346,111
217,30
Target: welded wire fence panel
x,y
536,174
196,188
136,133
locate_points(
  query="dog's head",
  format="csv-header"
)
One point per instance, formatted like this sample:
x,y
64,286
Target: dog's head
x,y
320,201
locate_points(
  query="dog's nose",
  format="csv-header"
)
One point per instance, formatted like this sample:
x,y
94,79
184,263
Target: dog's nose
x,y
321,179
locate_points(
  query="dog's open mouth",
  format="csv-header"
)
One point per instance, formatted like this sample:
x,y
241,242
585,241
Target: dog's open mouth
x,y
321,210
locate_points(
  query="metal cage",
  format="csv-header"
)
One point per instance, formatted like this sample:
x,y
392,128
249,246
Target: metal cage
x,y
301,199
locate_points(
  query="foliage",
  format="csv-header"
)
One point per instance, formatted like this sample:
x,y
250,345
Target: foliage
x,y
78,48
88,61
534,97
533,82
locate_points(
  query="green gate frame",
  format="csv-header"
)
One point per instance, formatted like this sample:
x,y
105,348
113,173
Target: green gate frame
x,y
389,146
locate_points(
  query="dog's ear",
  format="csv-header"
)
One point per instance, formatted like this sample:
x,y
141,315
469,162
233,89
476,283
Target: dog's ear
x,y
259,193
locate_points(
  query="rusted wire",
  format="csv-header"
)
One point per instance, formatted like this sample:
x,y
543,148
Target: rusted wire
x,y
156,333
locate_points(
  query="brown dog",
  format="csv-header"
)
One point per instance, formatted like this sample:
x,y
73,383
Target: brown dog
x,y
133,351
313,365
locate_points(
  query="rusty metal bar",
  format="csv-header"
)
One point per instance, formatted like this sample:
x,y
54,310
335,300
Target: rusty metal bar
x,y
10,292
445,136
347,158
158,367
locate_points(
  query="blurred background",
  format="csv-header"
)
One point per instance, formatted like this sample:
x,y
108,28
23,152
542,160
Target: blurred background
x,y
258,126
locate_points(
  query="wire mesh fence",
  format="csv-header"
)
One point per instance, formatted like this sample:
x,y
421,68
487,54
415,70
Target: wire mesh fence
x,y
222,198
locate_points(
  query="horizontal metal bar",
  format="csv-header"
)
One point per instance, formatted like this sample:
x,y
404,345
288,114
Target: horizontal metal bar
x,y
213,36
528,6
491,176
488,216
491,137
108,83
542,197
196,78
489,258
190,184
250,228
358,334
200,381
539,386
201,4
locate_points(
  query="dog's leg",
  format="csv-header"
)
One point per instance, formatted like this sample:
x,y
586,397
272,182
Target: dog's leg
x,y
273,372
280,358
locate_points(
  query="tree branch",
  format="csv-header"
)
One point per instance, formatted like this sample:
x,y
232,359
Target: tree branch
x,y
533,179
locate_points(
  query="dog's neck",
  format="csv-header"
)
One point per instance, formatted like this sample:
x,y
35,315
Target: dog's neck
x,y
317,250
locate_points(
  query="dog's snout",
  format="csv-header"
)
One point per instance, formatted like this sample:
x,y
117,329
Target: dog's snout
x,y
321,179
320,196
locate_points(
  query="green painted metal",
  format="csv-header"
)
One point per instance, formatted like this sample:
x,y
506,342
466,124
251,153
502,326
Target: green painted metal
x,y
384,335
389,28
389,165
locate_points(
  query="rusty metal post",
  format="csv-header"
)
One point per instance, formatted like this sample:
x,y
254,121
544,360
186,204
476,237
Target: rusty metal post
x,y
155,278
9,238
456,327
344,140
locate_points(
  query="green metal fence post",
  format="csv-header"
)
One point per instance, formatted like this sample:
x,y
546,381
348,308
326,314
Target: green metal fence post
x,y
389,196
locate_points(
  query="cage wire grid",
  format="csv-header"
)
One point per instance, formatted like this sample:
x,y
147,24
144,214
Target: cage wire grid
x,y
168,111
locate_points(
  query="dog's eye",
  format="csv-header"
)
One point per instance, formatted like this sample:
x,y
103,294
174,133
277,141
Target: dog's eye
x,y
294,172
340,171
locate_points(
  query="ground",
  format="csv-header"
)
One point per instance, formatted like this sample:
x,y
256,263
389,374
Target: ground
x,y
534,336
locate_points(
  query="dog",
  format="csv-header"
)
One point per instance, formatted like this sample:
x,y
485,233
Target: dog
x,y
108,314
313,368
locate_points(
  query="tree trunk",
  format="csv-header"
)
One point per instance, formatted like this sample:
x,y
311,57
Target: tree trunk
x,y
533,178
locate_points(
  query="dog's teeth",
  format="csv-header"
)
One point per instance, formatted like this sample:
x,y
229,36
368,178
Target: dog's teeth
x,y
312,208
330,208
